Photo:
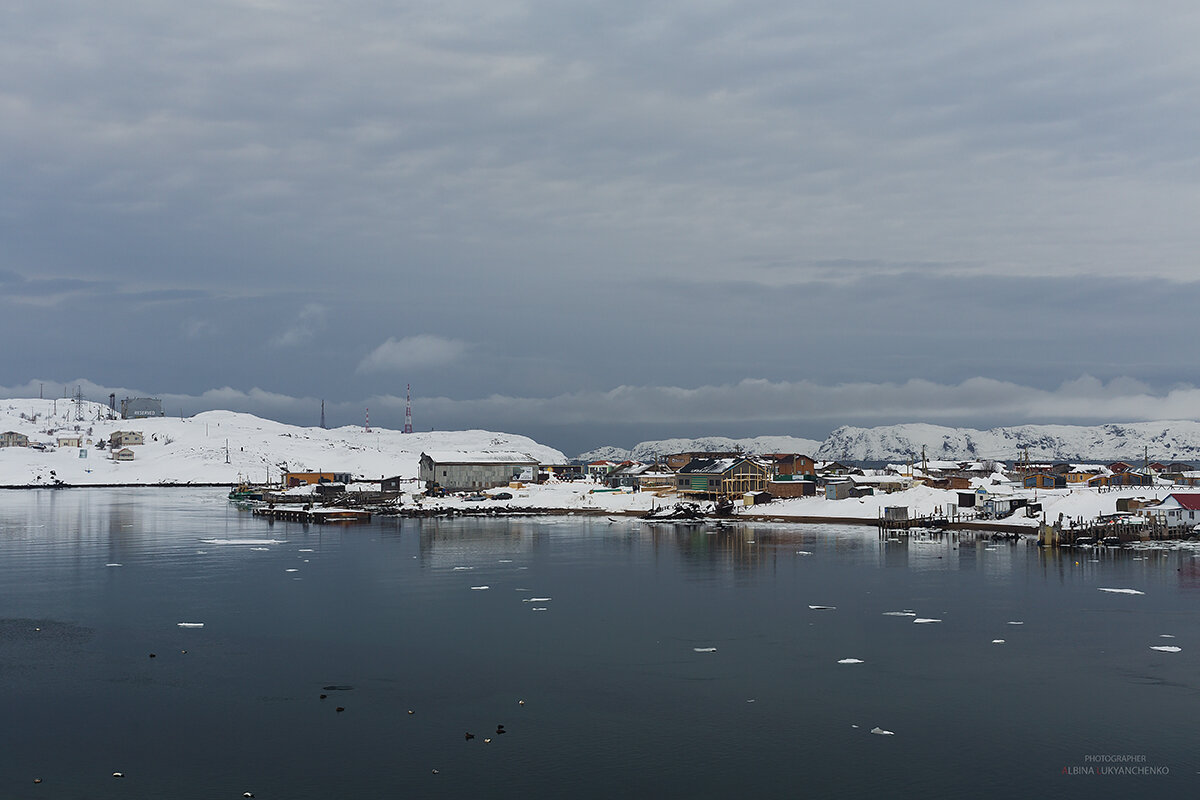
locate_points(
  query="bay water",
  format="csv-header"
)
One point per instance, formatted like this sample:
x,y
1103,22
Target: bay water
x,y
186,644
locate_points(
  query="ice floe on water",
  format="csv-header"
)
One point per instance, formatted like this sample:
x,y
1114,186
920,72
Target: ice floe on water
x,y
1167,648
261,549
305,550
504,561
1122,591
926,619
291,570
1166,636
537,600
997,641
803,553
881,732
190,624
1014,622
705,649
539,608
114,564
823,608
458,569
479,588
242,541
899,613
851,661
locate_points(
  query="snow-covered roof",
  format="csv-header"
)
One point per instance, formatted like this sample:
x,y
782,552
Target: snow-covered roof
x,y
479,457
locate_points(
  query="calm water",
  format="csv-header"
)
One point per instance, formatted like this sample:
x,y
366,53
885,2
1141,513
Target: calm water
x,y
617,698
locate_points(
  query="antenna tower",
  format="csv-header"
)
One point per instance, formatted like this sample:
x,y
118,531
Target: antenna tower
x,y
78,404
408,409
322,414
368,420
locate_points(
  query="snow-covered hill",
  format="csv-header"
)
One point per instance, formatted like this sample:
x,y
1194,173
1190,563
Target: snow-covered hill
x,y
648,451
1160,441
196,449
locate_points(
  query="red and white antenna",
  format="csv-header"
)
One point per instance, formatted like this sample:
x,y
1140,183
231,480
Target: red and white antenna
x,y
408,409
368,420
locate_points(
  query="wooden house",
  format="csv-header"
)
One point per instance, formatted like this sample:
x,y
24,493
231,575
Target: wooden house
x,y
720,478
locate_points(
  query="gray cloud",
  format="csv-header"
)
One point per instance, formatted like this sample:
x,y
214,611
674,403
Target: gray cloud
x,y
600,195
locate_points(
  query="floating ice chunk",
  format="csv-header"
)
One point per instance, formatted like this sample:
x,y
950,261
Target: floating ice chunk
x,y
262,549
305,550
480,588
539,608
803,553
242,541
1167,648
1014,622
997,641
925,619
823,608
505,561
522,589
882,732
1122,591
851,661
705,649
190,624
456,569
899,614
1166,636
291,570
537,600
114,564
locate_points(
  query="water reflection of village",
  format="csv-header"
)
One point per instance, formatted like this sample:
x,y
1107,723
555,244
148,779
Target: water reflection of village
x,y
710,551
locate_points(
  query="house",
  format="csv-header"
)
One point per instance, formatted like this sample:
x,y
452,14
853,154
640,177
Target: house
x,y
836,468
598,470
720,478
886,483
396,483
838,490
1082,473
792,464
783,486
677,461
640,476
124,454
1131,477
125,438
1177,510
294,479
564,472
1119,466
1044,480
13,439
70,441
458,471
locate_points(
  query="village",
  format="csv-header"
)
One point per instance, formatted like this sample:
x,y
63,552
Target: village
x,y
351,473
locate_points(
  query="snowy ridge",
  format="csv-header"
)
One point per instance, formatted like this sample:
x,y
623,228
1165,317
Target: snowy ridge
x,y
1162,441
220,447
648,451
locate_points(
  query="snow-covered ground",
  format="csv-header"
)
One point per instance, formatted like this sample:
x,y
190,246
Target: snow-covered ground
x,y
195,449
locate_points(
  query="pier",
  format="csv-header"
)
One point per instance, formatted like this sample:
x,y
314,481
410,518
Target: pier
x,y
318,514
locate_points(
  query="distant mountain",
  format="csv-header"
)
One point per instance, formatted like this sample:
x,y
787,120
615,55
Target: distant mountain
x,y
648,451
1160,441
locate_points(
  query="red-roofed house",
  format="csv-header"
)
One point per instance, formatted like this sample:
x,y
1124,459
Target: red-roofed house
x,y
1177,510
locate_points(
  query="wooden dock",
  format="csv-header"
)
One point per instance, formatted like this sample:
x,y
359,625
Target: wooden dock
x,y
314,514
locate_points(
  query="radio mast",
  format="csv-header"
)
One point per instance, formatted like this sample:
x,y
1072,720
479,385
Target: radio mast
x,y
408,409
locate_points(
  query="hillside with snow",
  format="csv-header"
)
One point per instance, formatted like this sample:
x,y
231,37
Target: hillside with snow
x,y
1159,441
648,451
218,447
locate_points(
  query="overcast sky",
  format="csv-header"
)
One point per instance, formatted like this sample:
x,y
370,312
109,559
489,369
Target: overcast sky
x,y
601,222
